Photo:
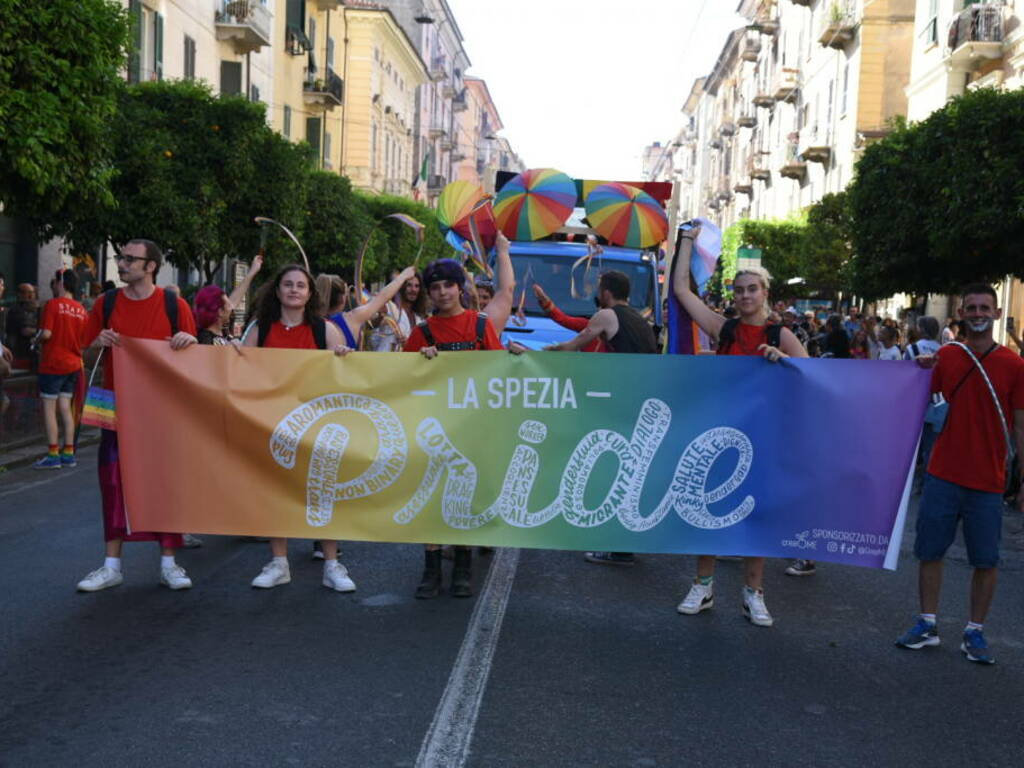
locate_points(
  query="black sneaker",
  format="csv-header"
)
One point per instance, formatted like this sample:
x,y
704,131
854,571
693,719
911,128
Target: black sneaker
x,y
610,558
801,568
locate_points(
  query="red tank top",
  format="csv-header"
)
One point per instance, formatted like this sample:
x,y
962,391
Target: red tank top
x,y
297,337
746,340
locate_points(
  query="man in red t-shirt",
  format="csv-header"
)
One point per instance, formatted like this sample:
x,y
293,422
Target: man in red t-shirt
x,y
140,311
967,469
60,367
457,329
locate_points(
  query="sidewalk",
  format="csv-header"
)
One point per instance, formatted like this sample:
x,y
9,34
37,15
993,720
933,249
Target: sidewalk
x,y
26,452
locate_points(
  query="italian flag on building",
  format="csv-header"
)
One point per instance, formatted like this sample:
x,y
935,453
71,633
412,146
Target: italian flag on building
x,y
419,181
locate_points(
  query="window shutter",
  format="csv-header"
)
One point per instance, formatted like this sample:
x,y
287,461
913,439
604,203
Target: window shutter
x,y
135,57
313,137
158,46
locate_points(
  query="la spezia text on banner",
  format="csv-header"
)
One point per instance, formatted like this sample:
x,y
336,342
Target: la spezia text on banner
x,y
639,453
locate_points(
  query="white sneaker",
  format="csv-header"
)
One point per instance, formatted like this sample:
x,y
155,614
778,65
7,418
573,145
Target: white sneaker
x,y
336,577
755,609
99,579
699,598
273,574
175,578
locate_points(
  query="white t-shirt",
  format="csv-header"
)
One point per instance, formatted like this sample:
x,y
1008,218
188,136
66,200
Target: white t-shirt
x,y
890,353
924,347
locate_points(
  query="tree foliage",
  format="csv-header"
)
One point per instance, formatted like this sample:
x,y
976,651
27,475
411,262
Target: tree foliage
x,y
59,79
940,203
827,250
781,244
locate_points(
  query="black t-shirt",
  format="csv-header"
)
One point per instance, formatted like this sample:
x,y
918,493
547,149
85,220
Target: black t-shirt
x,y
635,334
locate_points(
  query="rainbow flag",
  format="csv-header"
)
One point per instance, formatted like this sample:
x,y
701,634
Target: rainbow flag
x,y
99,408
683,333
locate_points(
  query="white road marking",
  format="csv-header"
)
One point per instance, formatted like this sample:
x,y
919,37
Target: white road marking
x,y
422,393
55,474
599,394
447,742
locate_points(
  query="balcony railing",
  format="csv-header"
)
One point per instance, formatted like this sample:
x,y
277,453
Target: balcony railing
x,y
460,103
437,129
744,186
767,24
751,46
246,24
793,165
787,84
438,68
727,127
976,34
815,145
296,41
324,92
764,96
757,166
840,25
747,117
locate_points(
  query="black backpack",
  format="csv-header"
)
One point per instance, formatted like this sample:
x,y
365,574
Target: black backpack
x,y
727,335
170,306
457,346
319,333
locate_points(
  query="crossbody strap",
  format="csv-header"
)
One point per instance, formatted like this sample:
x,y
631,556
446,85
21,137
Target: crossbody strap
x,y
991,391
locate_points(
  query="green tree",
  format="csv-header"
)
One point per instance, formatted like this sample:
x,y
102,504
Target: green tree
x,y
940,203
781,244
394,244
337,221
60,64
826,249
193,170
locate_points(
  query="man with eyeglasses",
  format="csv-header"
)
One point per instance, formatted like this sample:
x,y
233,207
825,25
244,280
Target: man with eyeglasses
x,y
139,310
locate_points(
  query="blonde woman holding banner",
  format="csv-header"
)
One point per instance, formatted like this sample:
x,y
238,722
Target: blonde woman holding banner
x,y
749,334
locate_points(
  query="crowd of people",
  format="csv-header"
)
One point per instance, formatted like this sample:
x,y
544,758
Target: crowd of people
x,y
975,422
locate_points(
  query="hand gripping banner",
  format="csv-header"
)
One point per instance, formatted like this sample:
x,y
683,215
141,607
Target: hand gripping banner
x,y
639,453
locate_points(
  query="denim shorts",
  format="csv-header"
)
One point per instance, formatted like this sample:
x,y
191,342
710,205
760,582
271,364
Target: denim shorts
x,y
54,385
943,506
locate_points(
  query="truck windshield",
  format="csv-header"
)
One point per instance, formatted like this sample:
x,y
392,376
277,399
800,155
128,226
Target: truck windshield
x,y
553,274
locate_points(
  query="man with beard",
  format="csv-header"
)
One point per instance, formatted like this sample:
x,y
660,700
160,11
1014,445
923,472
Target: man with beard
x,y
983,383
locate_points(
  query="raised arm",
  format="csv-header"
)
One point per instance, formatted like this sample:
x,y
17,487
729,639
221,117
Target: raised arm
x,y
243,287
499,308
710,321
359,316
603,321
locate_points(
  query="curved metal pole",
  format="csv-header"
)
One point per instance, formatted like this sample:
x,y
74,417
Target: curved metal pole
x,y
261,220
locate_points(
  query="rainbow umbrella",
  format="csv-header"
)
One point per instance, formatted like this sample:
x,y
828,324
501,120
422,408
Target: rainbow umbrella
x,y
625,215
534,204
456,202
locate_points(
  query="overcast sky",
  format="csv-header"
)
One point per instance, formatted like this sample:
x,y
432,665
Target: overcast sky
x,y
584,85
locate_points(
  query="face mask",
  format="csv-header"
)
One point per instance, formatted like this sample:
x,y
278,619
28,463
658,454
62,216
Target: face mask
x,y
979,326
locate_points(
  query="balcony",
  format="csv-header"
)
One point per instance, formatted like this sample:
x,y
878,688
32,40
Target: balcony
x,y
766,25
747,118
448,90
763,96
840,26
804,3
458,157
723,190
437,130
727,127
715,143
447,143
435,182
296,42
793,166
757,166
787,84
325,93
438,68
460,103
744,186
815,145
976,36
246,24
751,46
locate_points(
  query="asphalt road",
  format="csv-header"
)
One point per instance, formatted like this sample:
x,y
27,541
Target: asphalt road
x,y
563,663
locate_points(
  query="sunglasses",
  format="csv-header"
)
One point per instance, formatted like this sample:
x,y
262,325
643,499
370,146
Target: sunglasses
x,y
129,260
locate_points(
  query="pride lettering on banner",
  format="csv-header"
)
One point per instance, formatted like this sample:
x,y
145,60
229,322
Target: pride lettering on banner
x,y
630,453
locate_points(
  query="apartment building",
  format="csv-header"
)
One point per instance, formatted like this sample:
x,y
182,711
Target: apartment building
x,y
791,100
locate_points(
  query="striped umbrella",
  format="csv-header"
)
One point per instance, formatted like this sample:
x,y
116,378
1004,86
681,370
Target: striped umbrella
x,y
534,204
625,215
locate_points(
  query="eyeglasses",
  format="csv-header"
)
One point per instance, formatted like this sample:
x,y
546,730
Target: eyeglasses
x,y
129,260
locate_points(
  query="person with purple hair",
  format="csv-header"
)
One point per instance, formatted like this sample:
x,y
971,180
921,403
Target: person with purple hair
x,y
213,307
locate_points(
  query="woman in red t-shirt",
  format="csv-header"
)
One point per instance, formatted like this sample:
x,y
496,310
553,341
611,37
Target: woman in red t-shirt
x,y
749,337
287,316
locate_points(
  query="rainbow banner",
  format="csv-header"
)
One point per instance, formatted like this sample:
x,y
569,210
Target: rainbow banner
x,y
646,453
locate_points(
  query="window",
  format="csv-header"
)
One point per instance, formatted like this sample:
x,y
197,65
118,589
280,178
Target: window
x,y
327,150
231,78
846,88
189,72
828,109
312,33
313,136
930,33
146,61
287,128
254,93
330,52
